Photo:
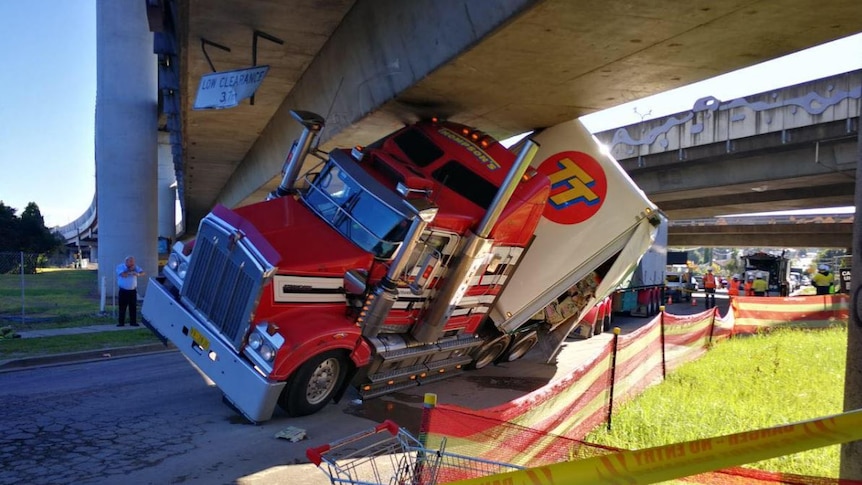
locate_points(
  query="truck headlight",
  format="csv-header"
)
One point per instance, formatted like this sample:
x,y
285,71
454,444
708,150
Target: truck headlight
x,y
262,346
267,352
255,340
182,270
173,261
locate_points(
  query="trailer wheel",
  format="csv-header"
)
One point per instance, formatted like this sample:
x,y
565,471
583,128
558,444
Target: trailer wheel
x,y
489,352
314,384
607,321
520,346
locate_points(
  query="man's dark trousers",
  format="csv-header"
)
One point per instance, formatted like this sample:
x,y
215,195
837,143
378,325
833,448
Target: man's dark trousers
x,y
128,299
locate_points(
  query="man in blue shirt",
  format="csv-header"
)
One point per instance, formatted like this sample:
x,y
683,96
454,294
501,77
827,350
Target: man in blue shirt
x,y
127,281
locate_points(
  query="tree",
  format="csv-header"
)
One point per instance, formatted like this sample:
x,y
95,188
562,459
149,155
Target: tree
x,y
26,233
35,237
9,228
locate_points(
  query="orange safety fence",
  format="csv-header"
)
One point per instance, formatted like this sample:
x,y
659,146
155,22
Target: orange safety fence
x,y
753,314
548,425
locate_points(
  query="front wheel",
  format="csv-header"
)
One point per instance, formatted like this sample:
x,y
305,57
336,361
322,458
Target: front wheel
x,y
314,384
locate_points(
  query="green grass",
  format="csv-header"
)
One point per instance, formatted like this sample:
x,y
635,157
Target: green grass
x,y
34,347
742,384
61,298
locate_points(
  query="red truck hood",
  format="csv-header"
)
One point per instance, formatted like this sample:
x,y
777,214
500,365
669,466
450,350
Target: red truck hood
x,y
306,244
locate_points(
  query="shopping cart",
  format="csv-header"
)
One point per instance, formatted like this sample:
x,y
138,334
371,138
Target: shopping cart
x,y
389,455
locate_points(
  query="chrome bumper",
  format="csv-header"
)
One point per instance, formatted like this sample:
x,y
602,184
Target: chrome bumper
x,y
252,394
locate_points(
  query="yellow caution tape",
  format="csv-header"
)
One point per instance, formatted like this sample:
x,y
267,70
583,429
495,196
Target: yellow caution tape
x,y
667,462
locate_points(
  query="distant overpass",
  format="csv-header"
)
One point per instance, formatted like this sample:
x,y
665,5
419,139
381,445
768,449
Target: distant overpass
x,y
82,232
806,231
790,148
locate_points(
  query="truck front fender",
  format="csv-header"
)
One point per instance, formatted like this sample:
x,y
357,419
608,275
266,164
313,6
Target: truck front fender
x,y
307,334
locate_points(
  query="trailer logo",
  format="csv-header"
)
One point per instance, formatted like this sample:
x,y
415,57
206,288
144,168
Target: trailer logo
x,y
578,187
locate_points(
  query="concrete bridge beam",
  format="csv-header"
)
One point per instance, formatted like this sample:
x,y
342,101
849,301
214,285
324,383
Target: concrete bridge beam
x,y
380,49
818,235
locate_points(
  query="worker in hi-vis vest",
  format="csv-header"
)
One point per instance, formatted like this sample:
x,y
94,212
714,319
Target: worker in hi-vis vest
x,y
823,280
760,286
733,286
709,283
749,291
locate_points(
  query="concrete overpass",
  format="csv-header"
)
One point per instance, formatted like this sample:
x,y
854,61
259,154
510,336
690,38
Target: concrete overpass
x,y
790,148
800,231
505,66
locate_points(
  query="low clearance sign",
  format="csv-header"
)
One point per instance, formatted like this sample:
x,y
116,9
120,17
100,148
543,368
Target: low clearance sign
x,y
220,90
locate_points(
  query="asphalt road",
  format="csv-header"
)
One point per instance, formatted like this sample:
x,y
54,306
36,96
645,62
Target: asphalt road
x,y
154,419
146,419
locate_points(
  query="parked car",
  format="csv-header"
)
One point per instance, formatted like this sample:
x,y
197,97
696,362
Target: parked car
x,y
678,286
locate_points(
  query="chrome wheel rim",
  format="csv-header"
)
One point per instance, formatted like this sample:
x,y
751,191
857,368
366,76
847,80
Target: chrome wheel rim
x,y
323,381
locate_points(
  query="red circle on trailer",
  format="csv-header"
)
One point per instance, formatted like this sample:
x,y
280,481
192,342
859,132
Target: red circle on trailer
x,y
578,187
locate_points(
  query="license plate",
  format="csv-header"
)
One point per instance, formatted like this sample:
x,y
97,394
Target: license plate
x,y
199,339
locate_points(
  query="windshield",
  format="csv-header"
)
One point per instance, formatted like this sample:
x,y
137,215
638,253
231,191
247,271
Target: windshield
x,y
355,212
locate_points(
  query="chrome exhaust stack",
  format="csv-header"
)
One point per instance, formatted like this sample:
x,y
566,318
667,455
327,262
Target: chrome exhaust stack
x,y
380,301
475,251
312,125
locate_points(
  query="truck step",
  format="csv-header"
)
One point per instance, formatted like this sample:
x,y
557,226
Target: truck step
x,y
377,391
461,343
395,380
439,377
448,346
398,373
409,352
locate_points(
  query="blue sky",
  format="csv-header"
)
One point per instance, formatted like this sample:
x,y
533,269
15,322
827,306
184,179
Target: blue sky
x,y
48,97
47,106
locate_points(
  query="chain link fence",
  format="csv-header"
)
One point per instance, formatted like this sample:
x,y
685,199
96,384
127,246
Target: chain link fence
x,y
37,291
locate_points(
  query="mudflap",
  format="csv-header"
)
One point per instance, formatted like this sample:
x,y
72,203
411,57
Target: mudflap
x,y
551,341
346,384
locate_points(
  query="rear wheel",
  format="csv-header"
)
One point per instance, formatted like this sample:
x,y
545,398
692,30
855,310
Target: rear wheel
x,y
314,384
523,343
489,351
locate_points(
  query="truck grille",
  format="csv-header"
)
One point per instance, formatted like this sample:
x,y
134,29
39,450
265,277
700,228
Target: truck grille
x,y
224,281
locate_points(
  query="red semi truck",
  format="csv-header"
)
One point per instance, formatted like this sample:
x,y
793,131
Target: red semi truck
x,y
430,251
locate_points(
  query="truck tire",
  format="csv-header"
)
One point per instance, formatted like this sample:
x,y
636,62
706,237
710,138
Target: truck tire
x,y
490,351
522,344
314,384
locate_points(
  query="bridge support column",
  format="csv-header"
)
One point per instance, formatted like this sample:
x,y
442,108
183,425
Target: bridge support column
x,y
126,123
851,453
167,192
